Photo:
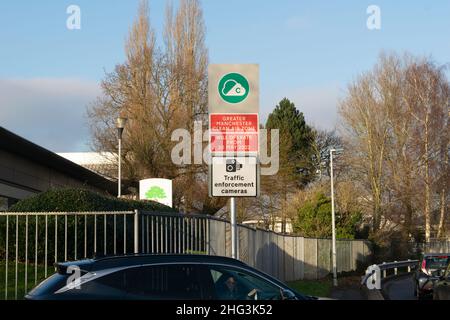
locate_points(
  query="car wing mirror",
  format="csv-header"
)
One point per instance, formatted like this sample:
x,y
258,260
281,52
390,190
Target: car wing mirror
x,y
287,295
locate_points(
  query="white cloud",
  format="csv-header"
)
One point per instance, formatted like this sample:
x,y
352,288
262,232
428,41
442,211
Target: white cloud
x,y
51,112
48,111
319,105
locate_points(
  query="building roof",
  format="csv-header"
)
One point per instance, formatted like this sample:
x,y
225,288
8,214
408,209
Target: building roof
x,y
90,158
102,163
29,150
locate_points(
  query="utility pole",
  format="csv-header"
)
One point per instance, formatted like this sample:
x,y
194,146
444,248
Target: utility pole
x,y
333,220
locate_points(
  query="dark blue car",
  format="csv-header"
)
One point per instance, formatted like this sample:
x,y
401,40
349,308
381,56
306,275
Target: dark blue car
x,y
161,277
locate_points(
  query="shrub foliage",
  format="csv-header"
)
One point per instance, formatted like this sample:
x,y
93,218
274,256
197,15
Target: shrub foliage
x,y
78,200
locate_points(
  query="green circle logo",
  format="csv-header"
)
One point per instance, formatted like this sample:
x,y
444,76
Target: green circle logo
x,y
233,88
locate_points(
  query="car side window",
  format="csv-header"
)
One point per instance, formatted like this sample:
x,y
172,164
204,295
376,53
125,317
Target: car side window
x,y
163,282
111,285
113,280
236,284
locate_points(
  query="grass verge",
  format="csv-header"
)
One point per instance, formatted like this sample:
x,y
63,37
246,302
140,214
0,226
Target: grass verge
x,y
318,288
32,279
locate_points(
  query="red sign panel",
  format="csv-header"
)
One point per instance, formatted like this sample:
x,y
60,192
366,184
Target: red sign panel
x,y
230,123
234,132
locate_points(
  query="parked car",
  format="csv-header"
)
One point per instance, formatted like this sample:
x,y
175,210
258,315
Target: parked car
x,y
161,277
441,289
431,268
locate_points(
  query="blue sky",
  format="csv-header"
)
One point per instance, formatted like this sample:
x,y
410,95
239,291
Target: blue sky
x,y
307,51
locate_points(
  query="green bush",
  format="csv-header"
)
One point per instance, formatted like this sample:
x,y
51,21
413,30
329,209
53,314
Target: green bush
x,y
78,200
314,219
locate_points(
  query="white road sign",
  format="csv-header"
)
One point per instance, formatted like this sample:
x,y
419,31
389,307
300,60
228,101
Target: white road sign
x,y
234,177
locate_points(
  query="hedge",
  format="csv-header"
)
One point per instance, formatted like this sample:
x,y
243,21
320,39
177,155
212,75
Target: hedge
x,y
70,200
77,200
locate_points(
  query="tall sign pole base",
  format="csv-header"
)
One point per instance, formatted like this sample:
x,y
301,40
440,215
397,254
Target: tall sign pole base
x,y
234,251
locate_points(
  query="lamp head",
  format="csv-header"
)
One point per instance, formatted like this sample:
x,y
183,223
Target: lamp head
x,y
121,122
336,150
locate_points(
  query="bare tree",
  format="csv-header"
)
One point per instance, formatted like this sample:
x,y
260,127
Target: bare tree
x,y
187,61
444,185
158,90
365,112
395,127
444,169
427,97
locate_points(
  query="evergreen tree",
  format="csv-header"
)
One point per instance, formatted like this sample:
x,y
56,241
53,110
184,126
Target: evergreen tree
x,y
296,139
295,150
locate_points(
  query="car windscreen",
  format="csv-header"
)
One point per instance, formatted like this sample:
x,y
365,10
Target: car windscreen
x,y
437,262
281,284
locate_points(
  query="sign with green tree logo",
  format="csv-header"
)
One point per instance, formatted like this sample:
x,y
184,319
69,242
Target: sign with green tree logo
x,y
155,189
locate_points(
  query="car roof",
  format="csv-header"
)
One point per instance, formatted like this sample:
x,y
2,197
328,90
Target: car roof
x,y
436,254
107,262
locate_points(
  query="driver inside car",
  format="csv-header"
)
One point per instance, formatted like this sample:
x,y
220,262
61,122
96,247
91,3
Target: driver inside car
x,y
227,288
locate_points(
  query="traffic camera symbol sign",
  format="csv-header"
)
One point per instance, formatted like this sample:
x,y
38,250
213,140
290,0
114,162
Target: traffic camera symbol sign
x,y
233,176
233,165
233,88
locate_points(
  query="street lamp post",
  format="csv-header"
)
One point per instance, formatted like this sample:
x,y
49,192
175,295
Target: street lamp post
x,y
234,241
120,124
333,220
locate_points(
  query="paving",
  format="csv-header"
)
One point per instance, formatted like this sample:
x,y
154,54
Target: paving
x,y
348,289
397,288
401,288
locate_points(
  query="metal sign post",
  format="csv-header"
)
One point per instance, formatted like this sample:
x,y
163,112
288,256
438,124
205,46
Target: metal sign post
x,y
233,103
234,251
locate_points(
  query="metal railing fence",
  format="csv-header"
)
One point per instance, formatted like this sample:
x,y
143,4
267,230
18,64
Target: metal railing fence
x,y
173,233
30,243
386,267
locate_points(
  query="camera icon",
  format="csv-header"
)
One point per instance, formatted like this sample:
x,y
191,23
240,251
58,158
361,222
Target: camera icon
x,y
232,165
